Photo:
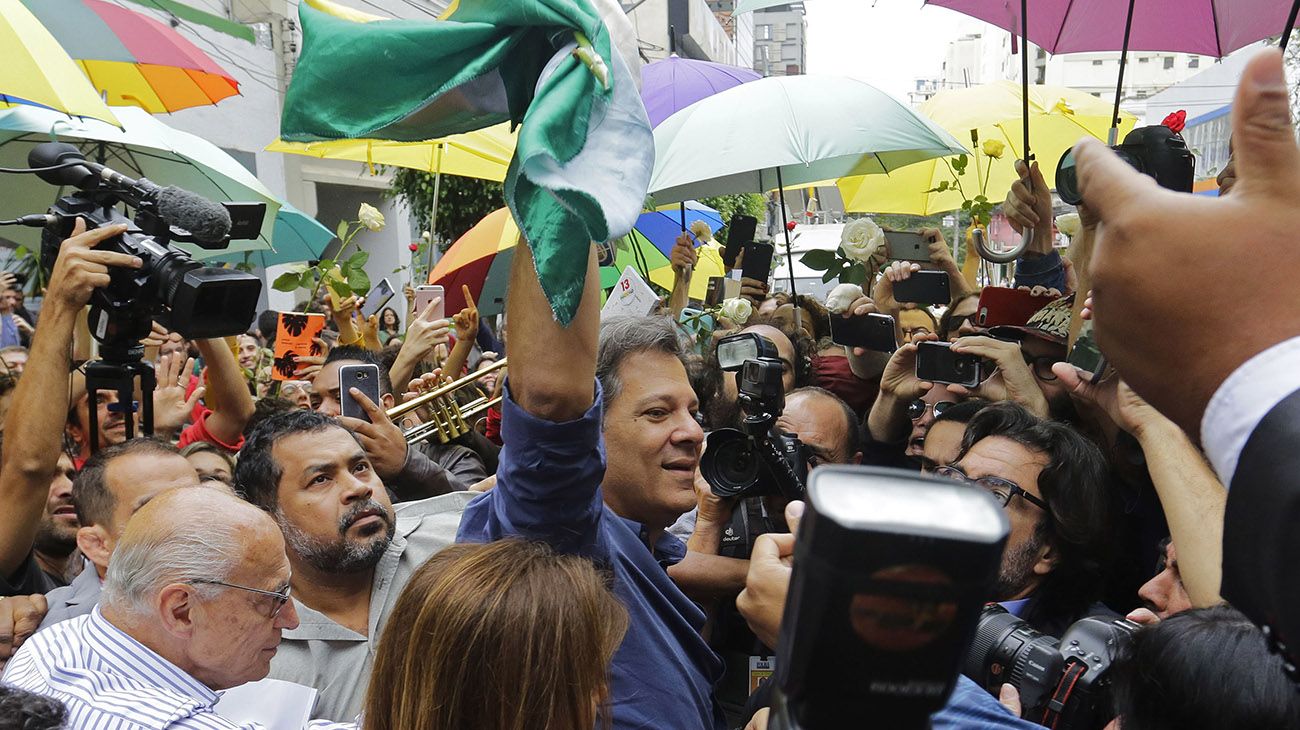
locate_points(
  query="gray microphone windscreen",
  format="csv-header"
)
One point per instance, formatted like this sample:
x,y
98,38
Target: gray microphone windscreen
x,y
207,221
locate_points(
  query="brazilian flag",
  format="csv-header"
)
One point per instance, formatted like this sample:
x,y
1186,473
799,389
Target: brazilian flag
x,y
582,165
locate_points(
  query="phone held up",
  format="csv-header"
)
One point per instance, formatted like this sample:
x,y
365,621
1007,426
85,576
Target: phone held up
x,y
364,378
426,294
869,331
907,246
937,363
923,287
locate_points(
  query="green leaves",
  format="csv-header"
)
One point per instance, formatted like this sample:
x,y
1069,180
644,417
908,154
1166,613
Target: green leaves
x,y
288,281
342,231
819,260
836,266
960,164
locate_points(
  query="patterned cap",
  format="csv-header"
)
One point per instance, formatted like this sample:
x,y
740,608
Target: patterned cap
x,y
1051,323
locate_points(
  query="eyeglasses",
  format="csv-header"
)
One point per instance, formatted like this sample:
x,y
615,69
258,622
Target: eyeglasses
x,y
958,320
917,408
1001,489
281,597
1042,365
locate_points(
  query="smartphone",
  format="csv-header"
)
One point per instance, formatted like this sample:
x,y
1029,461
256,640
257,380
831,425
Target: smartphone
x,y
923,287
937,363
721,289
295,335
740,231
870,331
758,261
427,293
1000,306
377,298
1085,355
907,246
364,378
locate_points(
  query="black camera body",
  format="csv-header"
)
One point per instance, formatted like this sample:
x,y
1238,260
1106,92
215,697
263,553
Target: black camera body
x,y
1063,684
758,460
1156,151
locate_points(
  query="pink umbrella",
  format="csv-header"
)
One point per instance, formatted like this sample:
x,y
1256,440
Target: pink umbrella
x,y
1207,27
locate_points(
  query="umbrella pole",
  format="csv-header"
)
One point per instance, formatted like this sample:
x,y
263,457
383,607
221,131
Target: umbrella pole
x,y
433,219
1290,25
785,227
1123,63
1024,76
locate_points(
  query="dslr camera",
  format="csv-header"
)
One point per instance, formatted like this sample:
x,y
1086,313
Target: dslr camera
x,y
1063,684
758,460
1156,151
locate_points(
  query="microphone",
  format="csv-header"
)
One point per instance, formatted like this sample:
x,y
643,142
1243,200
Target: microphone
x,y
206,221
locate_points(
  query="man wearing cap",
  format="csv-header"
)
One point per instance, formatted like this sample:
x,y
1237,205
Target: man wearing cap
x,y
1024,357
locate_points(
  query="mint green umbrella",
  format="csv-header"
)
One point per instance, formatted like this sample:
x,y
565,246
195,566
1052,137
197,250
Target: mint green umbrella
x,y
788,131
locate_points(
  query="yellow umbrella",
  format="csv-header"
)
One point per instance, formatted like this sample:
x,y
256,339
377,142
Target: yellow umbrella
x,y
1059,117
709,264
484,154
37,71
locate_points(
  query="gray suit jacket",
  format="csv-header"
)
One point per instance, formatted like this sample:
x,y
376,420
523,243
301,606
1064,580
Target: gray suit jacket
x,y
75,599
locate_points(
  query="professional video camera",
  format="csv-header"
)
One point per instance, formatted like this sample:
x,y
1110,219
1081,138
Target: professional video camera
x,y
890,571
1156,150
758,460
1063,684
171,287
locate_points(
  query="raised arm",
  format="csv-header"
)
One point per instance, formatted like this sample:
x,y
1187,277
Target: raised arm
x,y
552,368
34,427
232,405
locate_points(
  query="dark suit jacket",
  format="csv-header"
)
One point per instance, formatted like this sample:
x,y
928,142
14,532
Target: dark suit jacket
x,y
1261,534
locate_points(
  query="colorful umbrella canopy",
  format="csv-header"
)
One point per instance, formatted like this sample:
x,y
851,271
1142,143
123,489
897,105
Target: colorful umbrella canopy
x,y
144,147
38,72
1207,27
662,227
1060,117
133,59
637,251
484,154
670,85
800,129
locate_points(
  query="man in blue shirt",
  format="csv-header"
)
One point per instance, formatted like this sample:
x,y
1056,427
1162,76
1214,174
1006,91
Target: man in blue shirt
x,y
568,408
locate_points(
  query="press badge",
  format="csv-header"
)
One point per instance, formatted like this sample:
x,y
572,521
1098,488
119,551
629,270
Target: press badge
x,y
760,670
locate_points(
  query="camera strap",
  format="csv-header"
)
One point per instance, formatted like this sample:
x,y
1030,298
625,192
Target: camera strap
x,y
1071,677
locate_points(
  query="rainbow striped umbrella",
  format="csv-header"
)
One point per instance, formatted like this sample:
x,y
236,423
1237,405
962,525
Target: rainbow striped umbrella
x,y
133,59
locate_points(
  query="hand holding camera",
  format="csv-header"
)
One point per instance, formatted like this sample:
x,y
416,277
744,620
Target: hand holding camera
x,y
900,379
1016,376
80,269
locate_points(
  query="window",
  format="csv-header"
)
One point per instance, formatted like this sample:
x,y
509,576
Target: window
x,y
791,30
1098,62
1169,62
1144,60
1194,62
763,32
779,35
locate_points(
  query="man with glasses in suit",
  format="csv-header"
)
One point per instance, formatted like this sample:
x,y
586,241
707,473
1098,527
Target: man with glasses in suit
x,y
1052,483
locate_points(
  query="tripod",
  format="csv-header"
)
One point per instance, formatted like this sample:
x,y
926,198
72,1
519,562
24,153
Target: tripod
x,y
121,365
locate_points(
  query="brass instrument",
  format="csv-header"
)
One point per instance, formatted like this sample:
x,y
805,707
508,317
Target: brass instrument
x,y
447,419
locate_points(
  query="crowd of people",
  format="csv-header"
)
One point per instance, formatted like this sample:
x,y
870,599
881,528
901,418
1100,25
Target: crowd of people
x,y
565,563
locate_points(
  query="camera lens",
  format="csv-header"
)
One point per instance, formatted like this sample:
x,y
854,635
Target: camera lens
x,y
729,464
1067,179
961,367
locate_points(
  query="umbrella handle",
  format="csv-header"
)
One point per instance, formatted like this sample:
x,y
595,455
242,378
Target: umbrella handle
x,y
1001,257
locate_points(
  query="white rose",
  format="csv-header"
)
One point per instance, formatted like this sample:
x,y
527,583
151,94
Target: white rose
x,y
701,230
370,217
1069,224
842,297
861,240
738,310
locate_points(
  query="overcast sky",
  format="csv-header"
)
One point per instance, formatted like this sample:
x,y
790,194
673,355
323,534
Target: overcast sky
x,y
887,43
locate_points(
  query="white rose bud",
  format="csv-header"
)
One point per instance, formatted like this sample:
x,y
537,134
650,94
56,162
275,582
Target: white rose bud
x,y
842,297
370,217
1069,224
861,240
701,230
738,310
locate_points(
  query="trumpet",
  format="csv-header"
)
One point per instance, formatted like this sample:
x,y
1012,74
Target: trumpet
x,y
448,419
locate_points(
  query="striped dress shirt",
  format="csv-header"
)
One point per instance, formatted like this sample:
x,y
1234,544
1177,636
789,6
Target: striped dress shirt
x,y
110,681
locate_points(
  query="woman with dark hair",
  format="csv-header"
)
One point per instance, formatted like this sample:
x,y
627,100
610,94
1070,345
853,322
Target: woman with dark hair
x,y
390,325
1203,669
506,635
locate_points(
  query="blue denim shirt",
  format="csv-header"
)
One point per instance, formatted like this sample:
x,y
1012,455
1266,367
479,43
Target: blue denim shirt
x,y
548,489
1041,271
971,708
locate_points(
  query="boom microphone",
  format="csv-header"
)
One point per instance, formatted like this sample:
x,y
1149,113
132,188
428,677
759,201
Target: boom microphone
x,y
206,221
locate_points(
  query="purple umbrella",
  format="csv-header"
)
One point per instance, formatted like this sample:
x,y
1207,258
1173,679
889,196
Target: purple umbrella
x,y
674,83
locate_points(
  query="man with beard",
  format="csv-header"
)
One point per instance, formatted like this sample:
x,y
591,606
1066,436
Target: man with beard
x,y
1052,483
350,550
